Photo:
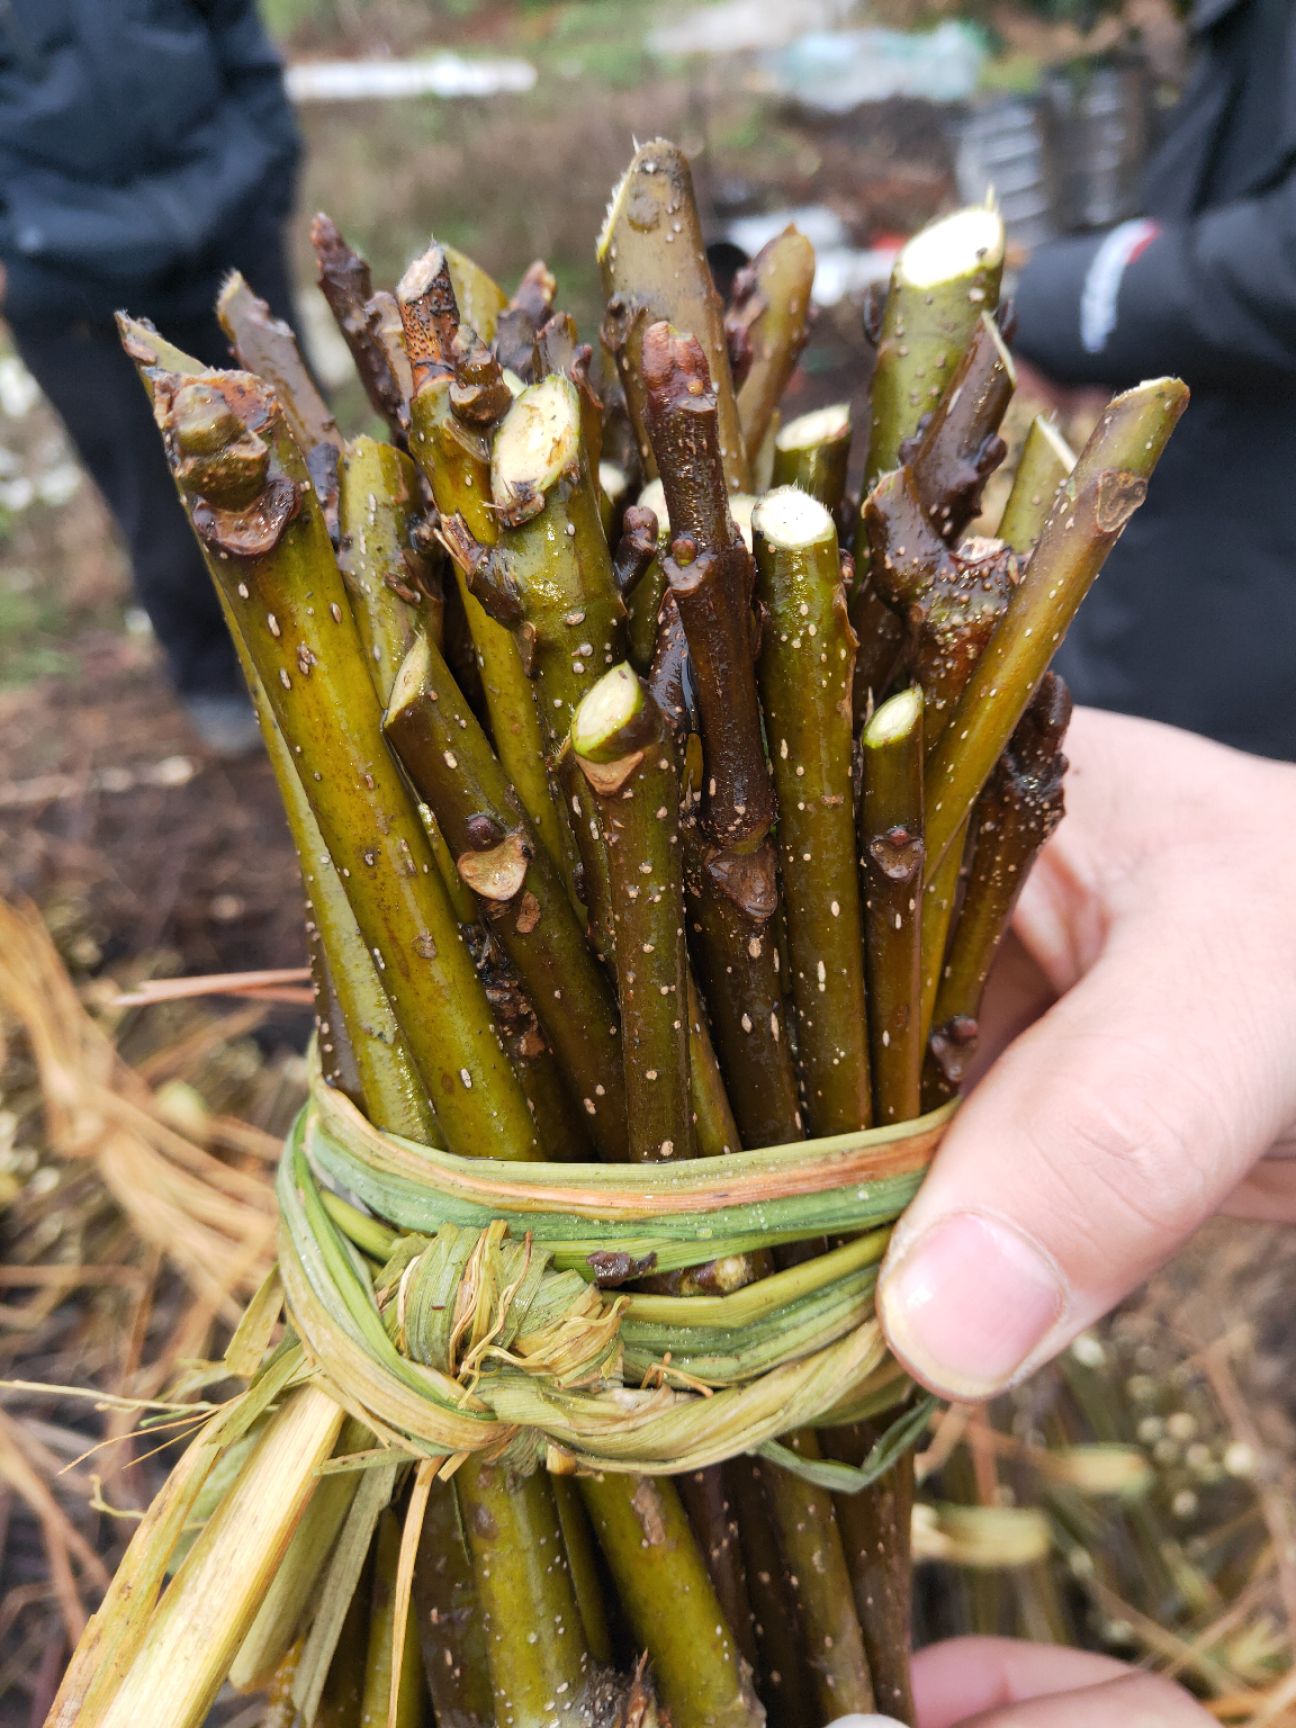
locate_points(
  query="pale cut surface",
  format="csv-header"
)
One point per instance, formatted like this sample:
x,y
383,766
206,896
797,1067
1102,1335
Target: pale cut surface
x,y
894,719
653,497
613,479
742,505
420,275
410,676
614,700
819,426
992,324
1051,433
538,439
952,248
791,519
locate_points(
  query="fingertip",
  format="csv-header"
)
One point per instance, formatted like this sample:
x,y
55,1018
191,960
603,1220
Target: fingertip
x,y
968,1302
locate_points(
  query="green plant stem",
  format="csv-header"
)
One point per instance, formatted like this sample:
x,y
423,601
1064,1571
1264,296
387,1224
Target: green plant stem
x,y
554,553
535,1638
339,1705
891,851
375,1699
582,1557
711,1513
670,677
653,258
644,602
570,615
1108,484
347,983
560,1118
621,744
816,1576
943,280
939,899
451,766
875,1528
347,286
711,576
767,323
806,661
875,1523
663,1585
478,295
449,1623
1045,461
429,722
455,456
268,551
951,601
1019,809
394,588
786,1684
388,1088
715,1129
813,452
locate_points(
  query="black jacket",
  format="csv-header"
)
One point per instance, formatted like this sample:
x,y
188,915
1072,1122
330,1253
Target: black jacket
x,y
140,142
1194,621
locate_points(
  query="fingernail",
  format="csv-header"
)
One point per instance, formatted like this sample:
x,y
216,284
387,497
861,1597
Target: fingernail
x,y
968,1302
858,1721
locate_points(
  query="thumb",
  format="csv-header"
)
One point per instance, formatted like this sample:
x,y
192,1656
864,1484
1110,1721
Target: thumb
x,y
1099,1140
1136,1700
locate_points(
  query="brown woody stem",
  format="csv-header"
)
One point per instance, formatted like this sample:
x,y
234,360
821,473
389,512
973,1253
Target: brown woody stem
x,y
347,286
1019,809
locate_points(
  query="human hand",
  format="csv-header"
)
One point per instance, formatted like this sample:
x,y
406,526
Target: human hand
x,y
1000,1683
1154,974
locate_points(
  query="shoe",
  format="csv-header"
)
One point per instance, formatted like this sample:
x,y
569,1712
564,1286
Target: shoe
x,y
225,724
